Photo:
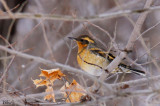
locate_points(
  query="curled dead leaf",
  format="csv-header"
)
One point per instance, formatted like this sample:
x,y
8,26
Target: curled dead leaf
x,y
51,95
49,77
73,92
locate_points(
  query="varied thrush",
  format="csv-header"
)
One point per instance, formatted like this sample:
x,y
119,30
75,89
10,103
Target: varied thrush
x,y
95,60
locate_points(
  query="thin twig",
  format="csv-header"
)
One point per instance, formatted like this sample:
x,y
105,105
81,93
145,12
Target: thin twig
x,y
7,68
46,40
10,14
70,18
138,82
148,29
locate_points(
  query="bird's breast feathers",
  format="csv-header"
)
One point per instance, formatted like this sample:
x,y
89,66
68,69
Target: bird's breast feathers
x,y
92,62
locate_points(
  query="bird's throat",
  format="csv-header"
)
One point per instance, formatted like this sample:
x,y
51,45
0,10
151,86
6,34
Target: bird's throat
x,y
81,47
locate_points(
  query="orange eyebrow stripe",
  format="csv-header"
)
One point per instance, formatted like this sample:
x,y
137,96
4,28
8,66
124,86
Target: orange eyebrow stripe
x,y
88,39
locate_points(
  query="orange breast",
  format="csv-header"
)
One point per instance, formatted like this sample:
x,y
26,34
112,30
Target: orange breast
x,y
91,62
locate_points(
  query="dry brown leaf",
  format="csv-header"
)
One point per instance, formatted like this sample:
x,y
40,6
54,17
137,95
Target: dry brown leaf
x,y
40,82
52,74
51,95
49,77
72,92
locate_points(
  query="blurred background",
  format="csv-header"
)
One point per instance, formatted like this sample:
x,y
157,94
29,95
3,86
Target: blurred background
x,y
49,39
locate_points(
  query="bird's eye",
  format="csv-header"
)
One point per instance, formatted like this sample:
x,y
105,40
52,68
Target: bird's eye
x,y
84,41
81,40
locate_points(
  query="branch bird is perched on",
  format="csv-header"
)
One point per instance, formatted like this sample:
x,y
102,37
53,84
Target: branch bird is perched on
x,y
94,60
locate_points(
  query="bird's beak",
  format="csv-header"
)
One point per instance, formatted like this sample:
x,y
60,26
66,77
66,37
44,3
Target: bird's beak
x,y
72,38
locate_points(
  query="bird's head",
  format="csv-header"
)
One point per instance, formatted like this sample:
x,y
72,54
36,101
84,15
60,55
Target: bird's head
x,y
83,41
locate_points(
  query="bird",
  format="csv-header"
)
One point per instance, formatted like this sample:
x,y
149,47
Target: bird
x,y
94,60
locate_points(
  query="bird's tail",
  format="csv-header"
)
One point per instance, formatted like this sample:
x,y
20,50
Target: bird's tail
x,y
131,70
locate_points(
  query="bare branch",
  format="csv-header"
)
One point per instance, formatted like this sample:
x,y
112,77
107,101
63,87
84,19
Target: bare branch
x,y
6,70
51,63
132,39
10,14
138,82
70,18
